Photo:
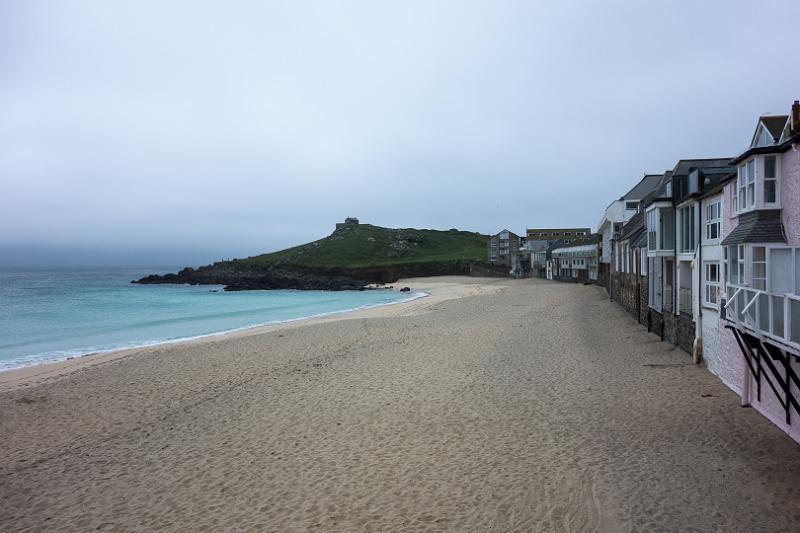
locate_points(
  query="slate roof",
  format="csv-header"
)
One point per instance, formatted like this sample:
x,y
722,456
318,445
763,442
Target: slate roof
x,y
639,240
658,192
720,185
644,187
756,227
592,239
775,124
634,223
685,166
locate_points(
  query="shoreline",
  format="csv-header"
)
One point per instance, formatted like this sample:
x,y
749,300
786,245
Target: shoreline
x,y
432,290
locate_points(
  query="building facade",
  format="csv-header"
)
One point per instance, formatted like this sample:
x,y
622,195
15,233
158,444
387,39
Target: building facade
x,y
614,218
759,335
575,261
503,250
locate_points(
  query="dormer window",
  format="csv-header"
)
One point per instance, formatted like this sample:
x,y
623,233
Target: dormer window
x,y
764,137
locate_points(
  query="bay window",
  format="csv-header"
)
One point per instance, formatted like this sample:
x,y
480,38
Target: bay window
x,y
651,231
757,184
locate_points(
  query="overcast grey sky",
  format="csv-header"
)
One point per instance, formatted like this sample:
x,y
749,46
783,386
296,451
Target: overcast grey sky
x,y
170,132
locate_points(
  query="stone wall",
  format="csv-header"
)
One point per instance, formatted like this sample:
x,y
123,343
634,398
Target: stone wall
x,y
679,330
482,270
630,291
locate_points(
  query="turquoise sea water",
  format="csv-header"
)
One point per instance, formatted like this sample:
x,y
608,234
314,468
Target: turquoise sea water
x,y
49,315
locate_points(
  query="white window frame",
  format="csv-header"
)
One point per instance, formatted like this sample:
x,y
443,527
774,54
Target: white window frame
x,y
688,237
713,220
710,283
774,179
746,186
652,230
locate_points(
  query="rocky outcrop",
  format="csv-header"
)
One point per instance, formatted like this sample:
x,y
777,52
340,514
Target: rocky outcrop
x,y
236,276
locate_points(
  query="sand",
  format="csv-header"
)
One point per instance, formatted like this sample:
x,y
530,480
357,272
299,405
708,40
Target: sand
x,y
492,405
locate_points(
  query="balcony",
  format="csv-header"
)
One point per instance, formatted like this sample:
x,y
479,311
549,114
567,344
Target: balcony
x,y
773,315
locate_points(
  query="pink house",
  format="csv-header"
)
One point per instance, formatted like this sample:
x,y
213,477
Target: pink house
x,y
759,327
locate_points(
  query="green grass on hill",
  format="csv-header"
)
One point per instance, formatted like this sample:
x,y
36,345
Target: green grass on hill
x,y
364,245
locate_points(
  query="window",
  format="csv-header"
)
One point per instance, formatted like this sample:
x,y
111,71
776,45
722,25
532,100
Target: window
x,y
631,206
770,179
687,229
712,284
746,186
713,223
735,257
651,230
667,229
759,273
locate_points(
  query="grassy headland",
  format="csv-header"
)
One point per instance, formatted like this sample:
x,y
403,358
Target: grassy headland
x,y
352,256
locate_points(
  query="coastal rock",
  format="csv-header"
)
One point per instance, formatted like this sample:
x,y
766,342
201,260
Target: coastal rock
x,y
405,289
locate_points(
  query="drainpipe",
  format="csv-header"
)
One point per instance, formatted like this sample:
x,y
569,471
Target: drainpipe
x,y
697,348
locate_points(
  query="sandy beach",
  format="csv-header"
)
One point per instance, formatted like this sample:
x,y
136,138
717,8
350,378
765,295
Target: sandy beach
x,y
491,405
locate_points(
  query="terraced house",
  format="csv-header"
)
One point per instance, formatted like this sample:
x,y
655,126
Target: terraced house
x,y
711,263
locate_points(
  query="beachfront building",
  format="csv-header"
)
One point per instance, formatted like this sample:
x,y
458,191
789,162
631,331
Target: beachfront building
x,y
575,261
503,250
709,270
759,346
614,218
673,225
628,279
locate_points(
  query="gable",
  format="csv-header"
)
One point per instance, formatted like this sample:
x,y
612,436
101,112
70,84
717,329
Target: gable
x,y
769,130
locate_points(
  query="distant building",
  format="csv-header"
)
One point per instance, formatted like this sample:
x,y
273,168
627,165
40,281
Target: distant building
x,y
576,260
349,221
554,234
503,249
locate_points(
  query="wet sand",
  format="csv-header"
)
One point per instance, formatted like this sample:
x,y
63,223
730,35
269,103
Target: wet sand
x,y
510,405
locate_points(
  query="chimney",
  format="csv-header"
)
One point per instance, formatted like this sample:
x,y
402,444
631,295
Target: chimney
x,y
795,117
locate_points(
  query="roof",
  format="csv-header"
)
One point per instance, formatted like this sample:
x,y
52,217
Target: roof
x,y
644,187
505,229
774,124
685,166
757,226
639,240
658,192
592,239
774,149
633,224
716,189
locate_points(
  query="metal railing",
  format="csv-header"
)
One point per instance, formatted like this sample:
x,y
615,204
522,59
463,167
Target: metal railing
x,y
775,315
